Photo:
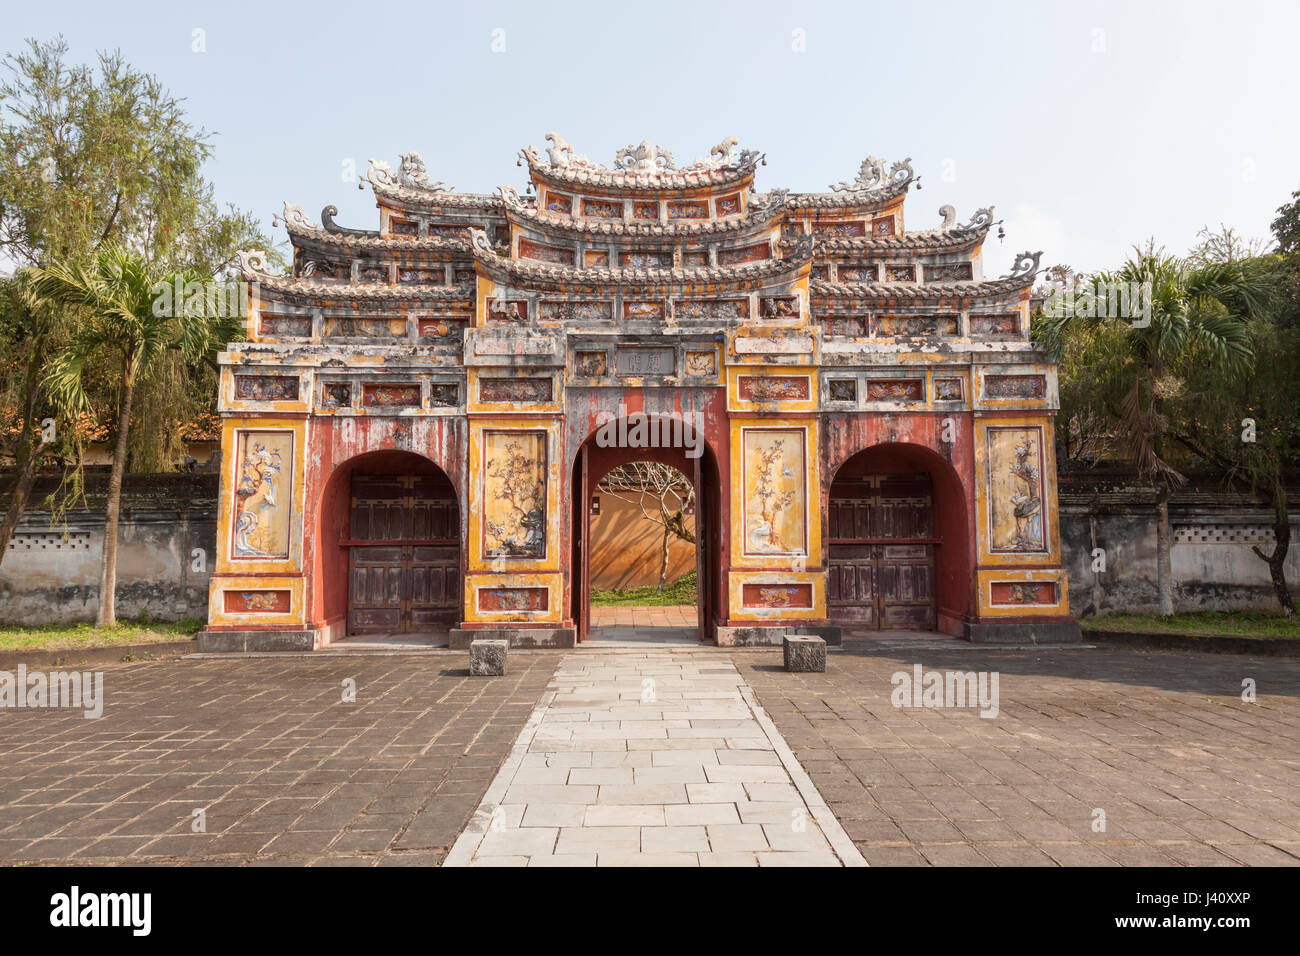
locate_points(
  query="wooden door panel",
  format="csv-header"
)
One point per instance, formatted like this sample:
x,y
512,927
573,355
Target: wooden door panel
x,y
404,585
881,565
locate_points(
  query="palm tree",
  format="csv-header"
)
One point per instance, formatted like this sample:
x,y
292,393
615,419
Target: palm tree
x,y
1198,315
118,294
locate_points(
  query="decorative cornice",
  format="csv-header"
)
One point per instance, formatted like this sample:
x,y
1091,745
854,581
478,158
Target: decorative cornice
x,y
1021,277
522,209
526,273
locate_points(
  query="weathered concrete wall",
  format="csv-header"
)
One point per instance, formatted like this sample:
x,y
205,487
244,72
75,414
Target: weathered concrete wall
x,y
51,574
1213,531
47,577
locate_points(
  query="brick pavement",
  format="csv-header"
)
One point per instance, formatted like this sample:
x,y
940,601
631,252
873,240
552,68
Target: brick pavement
x,y
1185,771
285,771
651,758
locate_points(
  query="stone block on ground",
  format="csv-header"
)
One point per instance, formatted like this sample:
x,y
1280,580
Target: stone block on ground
x,y
487,658
804,653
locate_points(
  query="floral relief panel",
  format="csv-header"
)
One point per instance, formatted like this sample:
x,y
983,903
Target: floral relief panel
x,y
775,513
514,494
1015,489
263,496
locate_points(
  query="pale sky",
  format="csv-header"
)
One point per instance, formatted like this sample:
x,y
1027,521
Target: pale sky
x,y
1088,125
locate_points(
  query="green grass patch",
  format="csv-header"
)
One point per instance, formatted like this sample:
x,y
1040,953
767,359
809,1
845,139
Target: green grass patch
x,y
1256,624
59,637
681,591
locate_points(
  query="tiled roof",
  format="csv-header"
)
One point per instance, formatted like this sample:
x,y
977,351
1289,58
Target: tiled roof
x,y
758,216
910,242
375,291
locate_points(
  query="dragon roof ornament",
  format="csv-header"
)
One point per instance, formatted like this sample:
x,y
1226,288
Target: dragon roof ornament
x,y
1026,264
981,220
410,174
872,177
252,262
643,159
293,216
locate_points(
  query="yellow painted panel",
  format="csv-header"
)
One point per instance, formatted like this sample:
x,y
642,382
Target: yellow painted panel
x,y
775,513
1015,491
514,598
777,595
254,600
259,516
514,501
772,388
475,377
1023,599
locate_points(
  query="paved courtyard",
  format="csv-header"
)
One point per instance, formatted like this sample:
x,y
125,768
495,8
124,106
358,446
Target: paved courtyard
x,y
651,758
285,771
663,754
1161,742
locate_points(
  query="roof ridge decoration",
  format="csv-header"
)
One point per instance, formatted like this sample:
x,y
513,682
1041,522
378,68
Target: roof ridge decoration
x,y
642,159
410,174
980,221
1026,264
327,221
872,178
252,262
293,216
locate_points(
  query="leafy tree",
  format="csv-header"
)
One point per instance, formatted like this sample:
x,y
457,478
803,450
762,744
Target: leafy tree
x,y
90,158
1249,426
1198,316
118,294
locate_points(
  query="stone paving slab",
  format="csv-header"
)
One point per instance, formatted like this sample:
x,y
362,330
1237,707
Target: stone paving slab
x,y
1185,771
285,771
659,773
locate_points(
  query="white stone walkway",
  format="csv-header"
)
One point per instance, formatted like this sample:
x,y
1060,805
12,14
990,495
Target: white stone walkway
x,y
651,757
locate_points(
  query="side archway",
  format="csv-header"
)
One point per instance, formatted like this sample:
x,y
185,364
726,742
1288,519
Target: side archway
x,y
387,554
898,541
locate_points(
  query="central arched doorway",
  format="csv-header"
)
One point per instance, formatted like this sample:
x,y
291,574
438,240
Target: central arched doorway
x,y
391,534
592,464
897,552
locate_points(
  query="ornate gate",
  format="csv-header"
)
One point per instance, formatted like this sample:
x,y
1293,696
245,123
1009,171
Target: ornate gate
x,y
404,555
881,538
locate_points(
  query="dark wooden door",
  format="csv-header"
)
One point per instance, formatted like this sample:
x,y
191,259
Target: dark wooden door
x,y
881,552
403,555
